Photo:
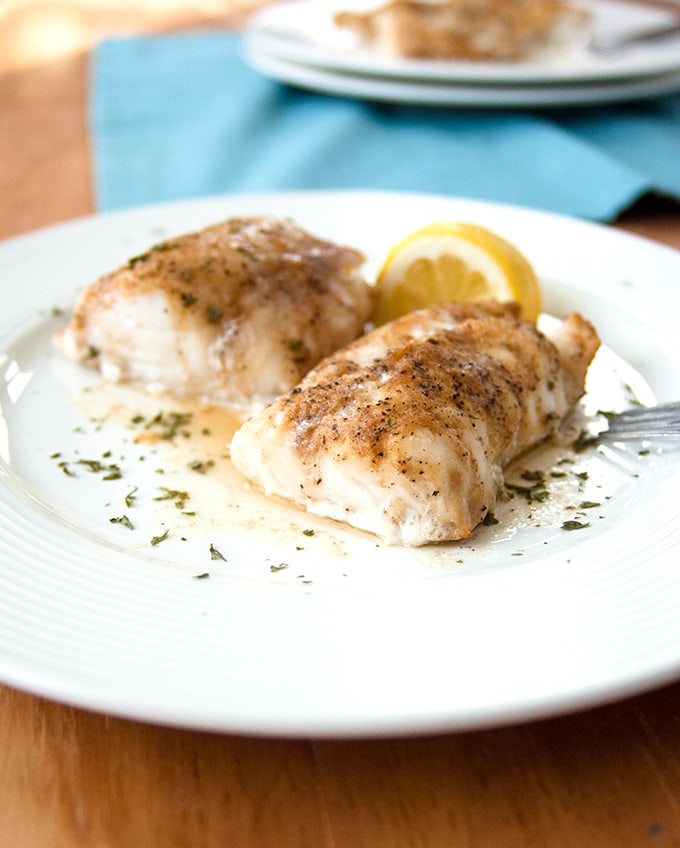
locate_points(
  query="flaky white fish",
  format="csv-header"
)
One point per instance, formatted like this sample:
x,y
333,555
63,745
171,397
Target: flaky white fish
x,y
405,432
234,314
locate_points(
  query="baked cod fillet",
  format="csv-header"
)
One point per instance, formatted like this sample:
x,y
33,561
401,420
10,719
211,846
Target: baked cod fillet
x,y
497,30
234,314
405,432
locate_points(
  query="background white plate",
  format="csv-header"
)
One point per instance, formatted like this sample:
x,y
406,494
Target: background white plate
x,y
303,31
352,638
437,93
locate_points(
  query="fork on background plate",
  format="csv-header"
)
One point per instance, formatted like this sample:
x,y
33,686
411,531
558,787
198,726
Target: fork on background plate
x,y
608,45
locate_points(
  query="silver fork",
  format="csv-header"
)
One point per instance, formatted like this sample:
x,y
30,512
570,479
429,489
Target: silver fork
x,y
642,422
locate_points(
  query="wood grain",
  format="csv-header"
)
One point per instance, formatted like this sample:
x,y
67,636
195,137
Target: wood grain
x,y
44,157
607,777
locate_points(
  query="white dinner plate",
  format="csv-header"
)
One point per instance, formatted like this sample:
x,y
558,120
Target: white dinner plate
x,y
218,609
436,93
303,31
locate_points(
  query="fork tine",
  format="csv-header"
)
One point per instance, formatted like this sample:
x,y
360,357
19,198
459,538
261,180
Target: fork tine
x,y
644,422
662,411
647,433
640,433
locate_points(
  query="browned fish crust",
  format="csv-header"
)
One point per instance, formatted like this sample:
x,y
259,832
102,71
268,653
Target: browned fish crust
x,y
234,287
426,411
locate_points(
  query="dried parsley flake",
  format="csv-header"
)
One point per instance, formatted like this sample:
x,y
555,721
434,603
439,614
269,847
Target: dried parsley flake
x,y
124,520
158,539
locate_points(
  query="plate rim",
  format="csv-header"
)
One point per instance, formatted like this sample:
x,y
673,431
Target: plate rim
x,y
423,93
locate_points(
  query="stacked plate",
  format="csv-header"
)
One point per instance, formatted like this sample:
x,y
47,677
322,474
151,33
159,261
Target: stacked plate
x,y
298,43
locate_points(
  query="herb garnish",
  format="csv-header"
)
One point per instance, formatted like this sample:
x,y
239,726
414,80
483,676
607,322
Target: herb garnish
x,y
109,471
158,539
583,441
180,498
534,476
533,494
124,520
167,424
215,554
246,252
157,248
201,466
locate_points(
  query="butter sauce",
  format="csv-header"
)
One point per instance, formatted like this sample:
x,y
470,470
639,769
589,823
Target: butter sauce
x,y
226,530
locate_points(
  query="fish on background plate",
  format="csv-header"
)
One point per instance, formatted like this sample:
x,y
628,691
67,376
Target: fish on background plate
x,y
474,30
234,314
405,432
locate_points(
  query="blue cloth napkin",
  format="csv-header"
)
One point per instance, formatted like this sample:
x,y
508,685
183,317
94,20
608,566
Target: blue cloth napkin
x,y
183,116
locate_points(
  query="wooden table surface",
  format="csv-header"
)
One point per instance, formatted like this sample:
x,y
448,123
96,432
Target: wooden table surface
x,y
609,776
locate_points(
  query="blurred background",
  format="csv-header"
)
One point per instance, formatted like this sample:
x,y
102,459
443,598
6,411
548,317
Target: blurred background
x,y
39,31
50,149
36,31
44,47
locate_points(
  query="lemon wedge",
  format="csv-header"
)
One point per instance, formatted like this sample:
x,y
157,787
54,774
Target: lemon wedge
x,y
454,261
